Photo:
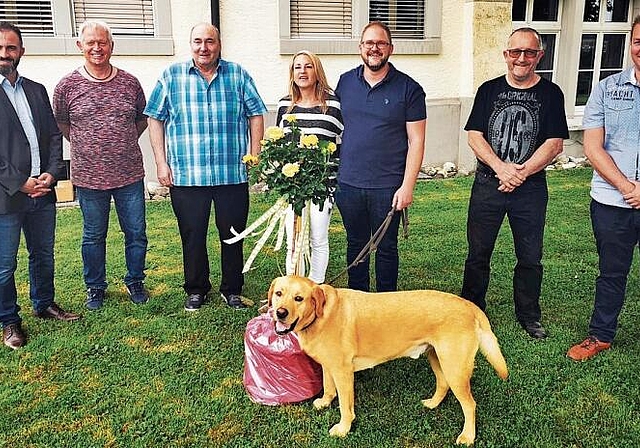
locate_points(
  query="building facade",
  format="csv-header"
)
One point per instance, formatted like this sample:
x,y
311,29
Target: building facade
x,y
450,47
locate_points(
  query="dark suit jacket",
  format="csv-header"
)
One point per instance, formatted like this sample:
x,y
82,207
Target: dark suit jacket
x,y
15,152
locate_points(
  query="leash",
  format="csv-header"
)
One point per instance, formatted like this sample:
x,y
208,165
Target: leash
x,y
375,240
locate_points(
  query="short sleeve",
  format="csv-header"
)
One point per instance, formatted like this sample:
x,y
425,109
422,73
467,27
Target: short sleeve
x,y
253,102
416,103
157,106
594,110
60,105
477,117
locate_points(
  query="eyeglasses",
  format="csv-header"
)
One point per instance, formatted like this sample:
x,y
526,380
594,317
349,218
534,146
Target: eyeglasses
x,y
528,53
369,44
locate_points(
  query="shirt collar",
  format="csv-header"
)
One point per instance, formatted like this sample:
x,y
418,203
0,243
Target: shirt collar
x,y
630,77
191,66
18,80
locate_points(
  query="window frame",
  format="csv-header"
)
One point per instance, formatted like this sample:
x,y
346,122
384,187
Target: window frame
x,y
545,27
570,16
64,40
600,29
431,43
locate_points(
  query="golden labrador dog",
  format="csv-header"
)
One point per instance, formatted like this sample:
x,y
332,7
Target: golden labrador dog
x,y
346,331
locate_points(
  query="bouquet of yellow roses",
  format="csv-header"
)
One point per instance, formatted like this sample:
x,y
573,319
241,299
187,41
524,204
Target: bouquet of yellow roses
x,y
294,166
299,169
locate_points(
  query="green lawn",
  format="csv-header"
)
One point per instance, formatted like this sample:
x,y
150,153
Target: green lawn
x,y
156,376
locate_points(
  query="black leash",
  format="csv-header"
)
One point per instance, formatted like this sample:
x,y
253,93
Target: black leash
x,y
377,236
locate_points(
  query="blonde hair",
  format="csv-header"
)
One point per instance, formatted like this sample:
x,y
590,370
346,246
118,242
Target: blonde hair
x,y
322,89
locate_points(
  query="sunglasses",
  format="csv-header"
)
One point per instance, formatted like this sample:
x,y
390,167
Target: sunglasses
x,y
528,53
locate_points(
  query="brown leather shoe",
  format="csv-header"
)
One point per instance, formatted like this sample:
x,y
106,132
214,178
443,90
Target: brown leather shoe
x,y
53,311
588,348
13,336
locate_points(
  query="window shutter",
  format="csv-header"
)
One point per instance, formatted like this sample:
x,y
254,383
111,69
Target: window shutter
x,y
33,17
405,18
124,17
320,18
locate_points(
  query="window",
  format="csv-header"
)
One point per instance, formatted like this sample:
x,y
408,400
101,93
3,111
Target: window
x,y
125,18
544,16
603,43
140,27
321,18
405,18
584,40
32,17
334,26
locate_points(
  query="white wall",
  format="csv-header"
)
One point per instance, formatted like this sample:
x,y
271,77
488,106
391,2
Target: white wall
x,y
250,36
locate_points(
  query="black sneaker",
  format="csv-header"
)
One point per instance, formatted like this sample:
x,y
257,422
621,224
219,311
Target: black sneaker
x,y
534,329
235,301
194,302
95,298
137,293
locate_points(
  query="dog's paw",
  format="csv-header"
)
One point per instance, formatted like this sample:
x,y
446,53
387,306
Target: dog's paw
x,y
321,403
465,439
430,403
339,430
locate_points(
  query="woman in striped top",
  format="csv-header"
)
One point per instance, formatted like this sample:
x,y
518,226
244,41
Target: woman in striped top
x,y
317,112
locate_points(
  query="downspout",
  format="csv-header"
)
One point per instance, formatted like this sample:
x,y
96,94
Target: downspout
x,y
215,13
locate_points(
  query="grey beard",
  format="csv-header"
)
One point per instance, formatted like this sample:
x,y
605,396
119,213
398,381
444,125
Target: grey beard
x,y
8,69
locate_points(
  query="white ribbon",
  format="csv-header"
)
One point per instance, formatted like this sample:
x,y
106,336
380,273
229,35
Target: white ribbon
x,y
278,206
275,216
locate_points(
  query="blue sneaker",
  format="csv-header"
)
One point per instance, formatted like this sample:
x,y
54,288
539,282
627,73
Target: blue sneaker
x,y
137,293
95,298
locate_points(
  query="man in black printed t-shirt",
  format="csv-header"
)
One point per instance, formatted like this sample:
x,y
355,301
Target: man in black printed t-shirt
x,y
515,129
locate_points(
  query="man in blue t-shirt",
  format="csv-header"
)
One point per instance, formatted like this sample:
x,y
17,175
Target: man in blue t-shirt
x,y
515,129
385,116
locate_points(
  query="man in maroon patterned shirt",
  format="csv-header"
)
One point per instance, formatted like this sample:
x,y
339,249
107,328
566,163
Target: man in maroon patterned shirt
x,y
99,109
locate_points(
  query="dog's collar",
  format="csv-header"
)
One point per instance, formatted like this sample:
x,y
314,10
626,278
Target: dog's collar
x,y
315,316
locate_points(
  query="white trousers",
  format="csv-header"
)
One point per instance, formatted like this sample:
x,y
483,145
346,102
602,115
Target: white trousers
x,y
318,240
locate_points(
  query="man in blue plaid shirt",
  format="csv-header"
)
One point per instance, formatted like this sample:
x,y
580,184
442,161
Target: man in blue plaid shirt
x,y
203,116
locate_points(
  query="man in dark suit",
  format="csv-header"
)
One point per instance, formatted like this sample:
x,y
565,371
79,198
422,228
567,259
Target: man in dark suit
x,y
30,163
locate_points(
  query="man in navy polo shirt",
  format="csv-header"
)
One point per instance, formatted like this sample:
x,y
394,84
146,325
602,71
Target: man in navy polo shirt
x,y
385,117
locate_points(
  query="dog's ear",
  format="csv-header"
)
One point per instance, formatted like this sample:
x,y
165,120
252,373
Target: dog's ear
x,y
270,292
319,299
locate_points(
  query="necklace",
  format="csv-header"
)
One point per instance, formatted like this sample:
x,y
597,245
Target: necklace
x,y
99,79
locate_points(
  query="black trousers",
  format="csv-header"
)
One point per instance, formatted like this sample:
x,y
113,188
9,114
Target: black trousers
x,y
192,207
526,209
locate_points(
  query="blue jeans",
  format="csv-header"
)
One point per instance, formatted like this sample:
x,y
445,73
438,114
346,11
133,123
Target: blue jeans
x,y
130,207
526,209
617,234
363,210
38,224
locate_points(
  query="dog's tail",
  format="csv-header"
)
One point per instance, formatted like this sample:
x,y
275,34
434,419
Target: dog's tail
x,y
489,345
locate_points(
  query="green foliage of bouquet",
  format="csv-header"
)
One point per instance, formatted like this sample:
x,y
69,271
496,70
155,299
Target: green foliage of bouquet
x,y
295,166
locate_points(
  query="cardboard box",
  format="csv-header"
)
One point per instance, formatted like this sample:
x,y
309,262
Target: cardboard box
x,y
64,191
